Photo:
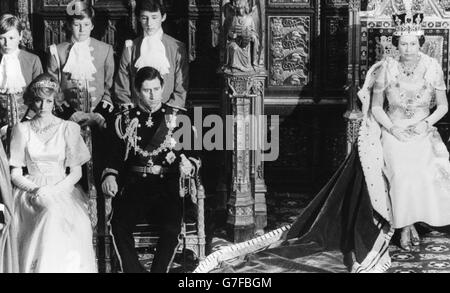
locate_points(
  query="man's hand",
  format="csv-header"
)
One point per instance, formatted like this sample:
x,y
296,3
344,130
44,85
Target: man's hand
x,y
94,119
107,105
79,117
88,119
109,186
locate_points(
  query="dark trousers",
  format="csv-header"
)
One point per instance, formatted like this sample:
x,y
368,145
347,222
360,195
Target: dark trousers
x,y
152,199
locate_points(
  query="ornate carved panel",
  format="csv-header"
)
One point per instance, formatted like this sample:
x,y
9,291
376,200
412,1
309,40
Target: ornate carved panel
x,y
54,32
204,3
56,3
290,3
289,51
337,3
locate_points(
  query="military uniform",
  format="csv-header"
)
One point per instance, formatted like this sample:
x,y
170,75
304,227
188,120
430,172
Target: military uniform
x,y
143,159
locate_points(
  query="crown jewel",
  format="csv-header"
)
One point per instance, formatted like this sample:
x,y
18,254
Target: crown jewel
x,y
408,18
406,24
46,84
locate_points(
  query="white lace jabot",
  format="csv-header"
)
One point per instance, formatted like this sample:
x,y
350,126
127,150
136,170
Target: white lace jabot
x,y
153,53
79,64
11,76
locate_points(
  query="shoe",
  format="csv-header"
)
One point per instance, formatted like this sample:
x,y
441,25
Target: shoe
x,y
405,241
415,239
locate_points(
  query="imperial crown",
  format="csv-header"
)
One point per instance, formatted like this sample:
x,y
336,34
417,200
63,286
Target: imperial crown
x,y
408,17
408,24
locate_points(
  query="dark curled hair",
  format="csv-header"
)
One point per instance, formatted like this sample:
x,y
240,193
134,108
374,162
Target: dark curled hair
x,y
87,11
146,73
396,39
151,6
34,93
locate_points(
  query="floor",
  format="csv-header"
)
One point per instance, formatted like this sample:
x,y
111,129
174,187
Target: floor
x,y
432,256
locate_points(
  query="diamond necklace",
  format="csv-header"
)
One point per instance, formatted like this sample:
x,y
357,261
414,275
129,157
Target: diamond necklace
x,y
408,70
44,129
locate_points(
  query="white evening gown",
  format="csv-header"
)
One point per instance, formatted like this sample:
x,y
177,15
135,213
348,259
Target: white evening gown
x,y
418,170
58,237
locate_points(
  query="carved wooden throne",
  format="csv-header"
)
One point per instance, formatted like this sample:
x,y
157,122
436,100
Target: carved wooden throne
x,y
377,28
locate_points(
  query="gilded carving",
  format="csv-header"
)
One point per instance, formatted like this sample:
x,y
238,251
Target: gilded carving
x,y
51,3
242,34
23,15
204,3
215,33
111,33
132,6
289,3
54,32
354,5
290,47
192,40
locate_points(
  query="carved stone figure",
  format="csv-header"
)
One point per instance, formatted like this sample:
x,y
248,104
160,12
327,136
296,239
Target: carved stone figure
x,y
241,31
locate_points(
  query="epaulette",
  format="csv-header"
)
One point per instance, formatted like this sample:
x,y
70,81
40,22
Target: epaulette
x,y
176,107
123,111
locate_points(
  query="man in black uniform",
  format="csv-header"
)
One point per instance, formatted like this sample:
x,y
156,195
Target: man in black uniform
x,y
143,172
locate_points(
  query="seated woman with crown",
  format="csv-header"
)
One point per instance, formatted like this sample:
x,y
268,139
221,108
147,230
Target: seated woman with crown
x,y
397,176
416,161
54,231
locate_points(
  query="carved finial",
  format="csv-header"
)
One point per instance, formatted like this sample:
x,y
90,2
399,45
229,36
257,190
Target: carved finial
x,y
76,7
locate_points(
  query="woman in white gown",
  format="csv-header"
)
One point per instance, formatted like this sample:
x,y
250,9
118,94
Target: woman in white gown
x,y
416,161
401,176
54,230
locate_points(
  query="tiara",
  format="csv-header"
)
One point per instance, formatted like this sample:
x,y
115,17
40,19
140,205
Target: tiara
x,y
76,6
46,84
407,24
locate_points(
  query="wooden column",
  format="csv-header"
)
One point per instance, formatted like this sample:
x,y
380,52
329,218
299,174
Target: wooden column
x,y
246,205
23,11
258,133
353,114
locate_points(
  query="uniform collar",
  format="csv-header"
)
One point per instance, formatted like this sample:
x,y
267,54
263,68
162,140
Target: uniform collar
x,y
147,110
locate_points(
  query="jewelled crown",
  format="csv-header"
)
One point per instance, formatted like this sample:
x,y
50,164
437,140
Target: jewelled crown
x,y
408,17
408,24
46,84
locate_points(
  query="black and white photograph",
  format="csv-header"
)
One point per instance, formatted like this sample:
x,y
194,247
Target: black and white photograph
x,y
242,138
